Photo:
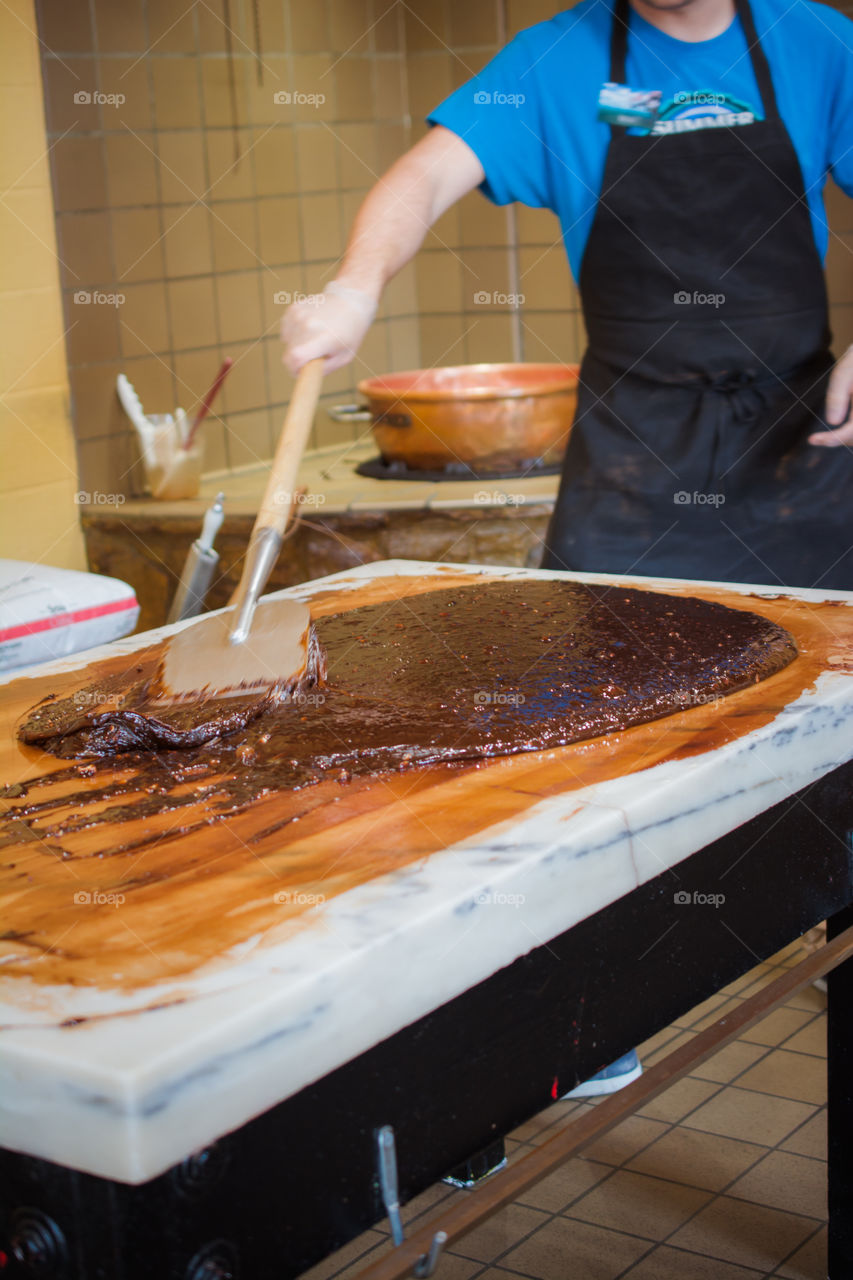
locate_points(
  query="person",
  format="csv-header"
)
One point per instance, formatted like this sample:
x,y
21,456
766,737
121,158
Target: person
x,y
684,146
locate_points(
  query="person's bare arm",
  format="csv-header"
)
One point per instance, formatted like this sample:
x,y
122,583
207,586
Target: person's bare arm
x,y
388,231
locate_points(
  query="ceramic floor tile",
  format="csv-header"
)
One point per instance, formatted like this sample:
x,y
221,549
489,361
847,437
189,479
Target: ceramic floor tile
x,y
563,1186
788,1075
665,1263
759,976
810,1138
749,1235
679,1099
752,1117
809,1262
795,1184
658,1042
697,1159
722,1011
654,1053
437,1194
534,1130
565,1247
811,1039
452,1267
777,1026
729,1062
809,998
639,1205
623,1142
788,955
499,1233
701,1011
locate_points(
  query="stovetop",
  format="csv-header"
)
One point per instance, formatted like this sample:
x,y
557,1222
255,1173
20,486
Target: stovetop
x,y
380,469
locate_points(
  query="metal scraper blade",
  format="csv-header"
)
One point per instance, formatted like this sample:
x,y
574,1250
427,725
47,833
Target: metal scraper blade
x,y
201,661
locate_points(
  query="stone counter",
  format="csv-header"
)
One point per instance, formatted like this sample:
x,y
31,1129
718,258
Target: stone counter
x,y
345,521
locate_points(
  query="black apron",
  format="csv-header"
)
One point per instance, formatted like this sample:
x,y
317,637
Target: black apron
x,y
705,306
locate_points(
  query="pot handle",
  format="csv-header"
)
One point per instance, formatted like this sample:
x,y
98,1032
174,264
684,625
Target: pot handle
x,y
349,413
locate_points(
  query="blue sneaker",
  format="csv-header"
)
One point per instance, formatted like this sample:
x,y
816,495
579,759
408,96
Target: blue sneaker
x,y
613,1078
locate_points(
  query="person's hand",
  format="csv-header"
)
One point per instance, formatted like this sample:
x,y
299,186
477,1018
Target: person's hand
x,y
838,413
330,324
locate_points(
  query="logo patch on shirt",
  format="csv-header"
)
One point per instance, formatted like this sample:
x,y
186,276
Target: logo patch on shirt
x,y
633,108
702,109
686,112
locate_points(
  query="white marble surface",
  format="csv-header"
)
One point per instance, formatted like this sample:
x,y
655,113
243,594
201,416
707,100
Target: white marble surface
x,y
135,1090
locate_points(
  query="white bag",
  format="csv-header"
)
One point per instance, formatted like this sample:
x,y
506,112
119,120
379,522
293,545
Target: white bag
x,y
49,613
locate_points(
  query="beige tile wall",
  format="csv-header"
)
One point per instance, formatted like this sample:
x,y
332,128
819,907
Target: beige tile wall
x,y
200,200
39,518
196,199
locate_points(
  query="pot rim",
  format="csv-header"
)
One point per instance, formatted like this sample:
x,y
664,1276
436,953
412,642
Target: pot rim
x,y
376,388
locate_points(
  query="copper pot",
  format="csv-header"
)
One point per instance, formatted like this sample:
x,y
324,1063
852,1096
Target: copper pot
x,y
492,417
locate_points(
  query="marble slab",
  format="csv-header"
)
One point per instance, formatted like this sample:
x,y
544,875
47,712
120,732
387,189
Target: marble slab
x,y
134,1089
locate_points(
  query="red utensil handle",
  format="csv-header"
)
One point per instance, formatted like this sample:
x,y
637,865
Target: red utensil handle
x,y
208,400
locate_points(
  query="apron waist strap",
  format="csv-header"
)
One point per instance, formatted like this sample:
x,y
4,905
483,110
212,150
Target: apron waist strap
x,y
725,382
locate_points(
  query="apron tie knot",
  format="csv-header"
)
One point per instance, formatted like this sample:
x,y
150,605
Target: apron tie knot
x,y
743,391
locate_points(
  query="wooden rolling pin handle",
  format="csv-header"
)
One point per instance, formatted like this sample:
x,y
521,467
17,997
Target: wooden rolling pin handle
x,y
279,494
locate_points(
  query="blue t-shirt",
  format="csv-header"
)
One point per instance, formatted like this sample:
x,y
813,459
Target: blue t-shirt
x,y
531,115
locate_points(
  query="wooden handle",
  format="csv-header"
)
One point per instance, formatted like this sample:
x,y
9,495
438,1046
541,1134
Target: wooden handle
x,y
278,497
